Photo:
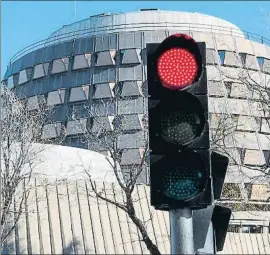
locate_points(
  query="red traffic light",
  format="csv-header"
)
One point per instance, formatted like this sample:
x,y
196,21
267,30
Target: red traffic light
x,y
177,68
179,62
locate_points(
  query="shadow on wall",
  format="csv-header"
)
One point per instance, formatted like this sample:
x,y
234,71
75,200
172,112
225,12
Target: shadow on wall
x,y
70,248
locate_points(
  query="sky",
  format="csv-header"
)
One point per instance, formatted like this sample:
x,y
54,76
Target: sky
x,y
26,22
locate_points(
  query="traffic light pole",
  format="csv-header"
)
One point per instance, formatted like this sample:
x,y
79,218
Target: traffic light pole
x,y
181,231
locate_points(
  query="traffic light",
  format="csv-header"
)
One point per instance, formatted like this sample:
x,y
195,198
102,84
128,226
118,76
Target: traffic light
x,y
180,158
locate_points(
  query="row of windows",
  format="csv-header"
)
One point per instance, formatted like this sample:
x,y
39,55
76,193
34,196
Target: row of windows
x,y
230,58
101,59
246,229
130,57
128,91
129,122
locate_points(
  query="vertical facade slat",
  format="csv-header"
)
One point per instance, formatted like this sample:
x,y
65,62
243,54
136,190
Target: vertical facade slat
x,y
123,222
105,221
93,205
54,220
67,238
32,218
89,243
113,218
75,218
260,243
21,224
43,217
159,235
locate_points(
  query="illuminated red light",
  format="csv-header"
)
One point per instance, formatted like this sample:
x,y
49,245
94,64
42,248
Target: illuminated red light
x,y
177,68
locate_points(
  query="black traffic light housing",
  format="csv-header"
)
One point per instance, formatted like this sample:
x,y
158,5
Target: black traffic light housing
x,y
180,158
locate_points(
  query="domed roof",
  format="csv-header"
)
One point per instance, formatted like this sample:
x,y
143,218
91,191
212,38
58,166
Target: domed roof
x,y
57,162
146,19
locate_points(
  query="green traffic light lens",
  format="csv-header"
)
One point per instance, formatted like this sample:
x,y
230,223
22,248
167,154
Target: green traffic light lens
x,y
182,183
184,175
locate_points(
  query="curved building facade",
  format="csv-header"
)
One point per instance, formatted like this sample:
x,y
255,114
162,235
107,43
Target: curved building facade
x,y
99,63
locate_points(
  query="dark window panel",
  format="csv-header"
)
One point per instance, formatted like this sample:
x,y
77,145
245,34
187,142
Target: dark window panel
x,y
104,90
83,45
130,40
131,122
103,108
78,110
80,77
60,65
10,82
130,73
41,70
106,58
134,140
34,103
79,93
16,79
154,36
82,61
78,142
103,75
25,75
56,97
51,131
101,124
106,42
75,127
131,56
131,88
221,54
243,57
260,62
130,106
131,157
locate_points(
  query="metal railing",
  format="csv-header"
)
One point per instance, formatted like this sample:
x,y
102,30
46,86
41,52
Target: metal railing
x,y
137,27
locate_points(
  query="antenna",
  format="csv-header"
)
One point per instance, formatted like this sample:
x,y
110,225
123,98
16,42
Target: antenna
x,y
74,9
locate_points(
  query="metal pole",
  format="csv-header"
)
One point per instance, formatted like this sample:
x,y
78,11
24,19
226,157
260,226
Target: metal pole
x,y
181,231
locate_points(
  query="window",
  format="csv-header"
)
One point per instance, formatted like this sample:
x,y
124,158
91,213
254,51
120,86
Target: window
x,y
41,70
130,56
79,93
51,131
60,65
75,127
104,90
221,54
106,58
243,57
260,62
56,97
82,61
252,229
25,75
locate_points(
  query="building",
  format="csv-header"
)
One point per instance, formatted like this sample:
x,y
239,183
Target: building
x,y
100,63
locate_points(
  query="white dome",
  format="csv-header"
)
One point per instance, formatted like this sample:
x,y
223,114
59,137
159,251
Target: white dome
x,y
62,162
150,20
